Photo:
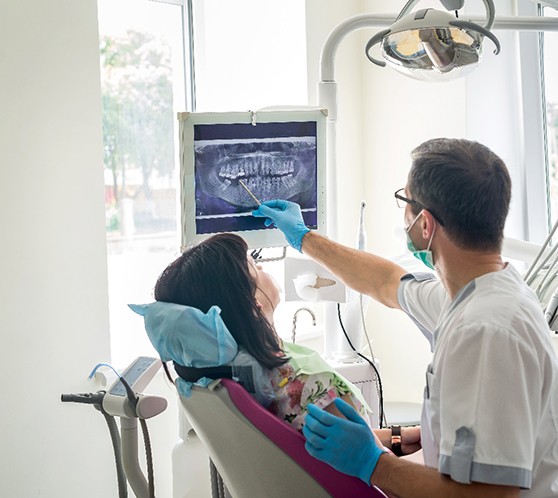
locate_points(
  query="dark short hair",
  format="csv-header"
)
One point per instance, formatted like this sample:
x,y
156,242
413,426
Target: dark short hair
x,y
467,185
216,272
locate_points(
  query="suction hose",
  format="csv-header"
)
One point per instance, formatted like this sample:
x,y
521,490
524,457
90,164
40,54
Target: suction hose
x,y
115,438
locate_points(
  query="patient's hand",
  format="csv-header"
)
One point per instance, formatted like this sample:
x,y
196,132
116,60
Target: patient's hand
x,y
331,408
410,440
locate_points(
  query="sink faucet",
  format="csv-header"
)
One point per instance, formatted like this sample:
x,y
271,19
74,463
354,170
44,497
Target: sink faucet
x,y
295,317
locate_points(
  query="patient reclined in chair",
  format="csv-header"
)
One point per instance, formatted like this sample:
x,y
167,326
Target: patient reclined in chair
x,y
256,453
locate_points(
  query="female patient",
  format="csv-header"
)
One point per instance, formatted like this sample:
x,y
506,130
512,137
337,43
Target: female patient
x,y
219,272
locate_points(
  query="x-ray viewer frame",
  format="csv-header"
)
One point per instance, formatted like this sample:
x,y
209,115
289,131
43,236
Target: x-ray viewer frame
x,y
275,153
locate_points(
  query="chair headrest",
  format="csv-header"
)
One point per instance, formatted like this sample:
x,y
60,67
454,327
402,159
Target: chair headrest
x,y
191,338
186,335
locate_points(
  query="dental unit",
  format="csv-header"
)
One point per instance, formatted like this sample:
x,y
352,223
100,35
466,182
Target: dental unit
x,y
124,400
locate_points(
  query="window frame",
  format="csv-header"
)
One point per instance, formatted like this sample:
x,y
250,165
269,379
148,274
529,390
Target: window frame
x,y
521,138
537,185
188,50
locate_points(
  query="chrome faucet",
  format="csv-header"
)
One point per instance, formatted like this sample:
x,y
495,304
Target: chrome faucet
x,y
295,317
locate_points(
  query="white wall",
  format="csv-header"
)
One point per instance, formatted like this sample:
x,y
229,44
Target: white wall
x,y
54,318
54,314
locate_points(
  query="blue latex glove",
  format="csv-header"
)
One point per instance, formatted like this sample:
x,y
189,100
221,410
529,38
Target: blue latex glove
x,y
287,217
348,444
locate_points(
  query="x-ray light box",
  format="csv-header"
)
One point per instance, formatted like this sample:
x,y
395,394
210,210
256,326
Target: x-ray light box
x,y
276,154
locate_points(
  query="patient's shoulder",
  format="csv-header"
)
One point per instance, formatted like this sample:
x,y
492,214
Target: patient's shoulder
x,y
260,376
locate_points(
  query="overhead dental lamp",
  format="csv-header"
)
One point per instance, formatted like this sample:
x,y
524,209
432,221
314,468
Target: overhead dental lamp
x,y
433,45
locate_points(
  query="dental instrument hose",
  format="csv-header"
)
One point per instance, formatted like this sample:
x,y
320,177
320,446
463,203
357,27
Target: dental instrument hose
x,y
362,242
96,399
149,458
133,399
381,395
116,445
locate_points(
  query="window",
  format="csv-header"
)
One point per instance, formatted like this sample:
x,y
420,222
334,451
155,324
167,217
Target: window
x,y
247,55
510,120
550,53
143,86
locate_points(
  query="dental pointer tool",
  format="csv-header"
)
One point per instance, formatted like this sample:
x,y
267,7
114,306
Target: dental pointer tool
x,y
250,192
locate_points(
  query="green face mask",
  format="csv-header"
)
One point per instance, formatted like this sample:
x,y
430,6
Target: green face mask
x,y
424,255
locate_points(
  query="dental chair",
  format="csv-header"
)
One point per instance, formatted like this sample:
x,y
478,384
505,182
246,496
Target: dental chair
x,y
256,453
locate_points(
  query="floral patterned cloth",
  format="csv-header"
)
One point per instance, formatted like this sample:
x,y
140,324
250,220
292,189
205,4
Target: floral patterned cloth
x,y
293,393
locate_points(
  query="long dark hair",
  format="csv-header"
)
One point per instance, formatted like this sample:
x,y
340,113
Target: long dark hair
x,y
216,272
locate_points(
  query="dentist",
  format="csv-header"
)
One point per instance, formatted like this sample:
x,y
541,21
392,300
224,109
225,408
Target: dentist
x,y
490,413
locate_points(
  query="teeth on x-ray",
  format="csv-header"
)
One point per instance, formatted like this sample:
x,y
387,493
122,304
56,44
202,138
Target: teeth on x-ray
x,y
265,166
288,181
224,185
271,170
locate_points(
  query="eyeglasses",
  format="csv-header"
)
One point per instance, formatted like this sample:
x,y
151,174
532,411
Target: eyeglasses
x,y
401,200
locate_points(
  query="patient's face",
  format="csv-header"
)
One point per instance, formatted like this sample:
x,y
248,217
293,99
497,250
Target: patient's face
x,y
267,292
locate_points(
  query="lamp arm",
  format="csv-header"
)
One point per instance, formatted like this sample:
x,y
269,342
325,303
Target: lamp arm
x,y
490,13
377,38
407,8
329,49
475,27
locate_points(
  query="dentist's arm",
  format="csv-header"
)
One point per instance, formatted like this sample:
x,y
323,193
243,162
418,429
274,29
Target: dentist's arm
x,y
348,445
364,272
